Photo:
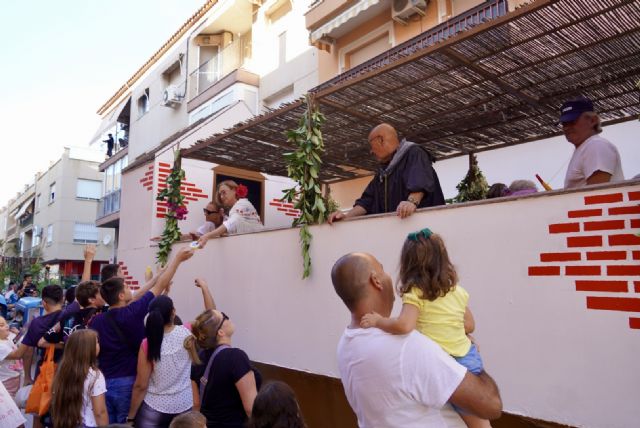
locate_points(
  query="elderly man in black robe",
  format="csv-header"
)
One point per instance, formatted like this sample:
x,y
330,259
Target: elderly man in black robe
x,y
405,181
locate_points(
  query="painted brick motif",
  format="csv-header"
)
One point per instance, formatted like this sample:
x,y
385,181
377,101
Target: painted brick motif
x,y
603,253
189,190
128,279
285,207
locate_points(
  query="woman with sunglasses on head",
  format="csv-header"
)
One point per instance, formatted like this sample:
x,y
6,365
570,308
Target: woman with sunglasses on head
x,y
243,217
225,384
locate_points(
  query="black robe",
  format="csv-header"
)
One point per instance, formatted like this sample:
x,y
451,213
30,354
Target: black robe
x,y
412,173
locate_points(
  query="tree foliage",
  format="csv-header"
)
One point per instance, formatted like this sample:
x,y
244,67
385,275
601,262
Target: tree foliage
x,y
473,186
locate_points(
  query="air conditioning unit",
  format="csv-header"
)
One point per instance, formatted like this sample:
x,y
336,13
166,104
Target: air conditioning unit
x,y
403,9
170,96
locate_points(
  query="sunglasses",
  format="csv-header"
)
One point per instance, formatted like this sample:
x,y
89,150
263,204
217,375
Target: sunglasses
x,y
207,212
224,318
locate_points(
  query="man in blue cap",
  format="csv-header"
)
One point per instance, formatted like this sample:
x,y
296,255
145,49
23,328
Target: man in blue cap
x,y
595,160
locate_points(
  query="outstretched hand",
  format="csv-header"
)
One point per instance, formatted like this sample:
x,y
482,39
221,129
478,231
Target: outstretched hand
x,y
336,216
202,241
185,253
89,251
370,320
201,283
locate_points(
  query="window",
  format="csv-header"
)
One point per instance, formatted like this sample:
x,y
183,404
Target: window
x,y
38,201
143,103
37,234
49,234
365,48
52,192
88,189
85,233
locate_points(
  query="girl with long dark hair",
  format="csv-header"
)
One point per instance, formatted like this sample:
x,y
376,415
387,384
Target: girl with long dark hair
x,y
162,389
276,406
78,386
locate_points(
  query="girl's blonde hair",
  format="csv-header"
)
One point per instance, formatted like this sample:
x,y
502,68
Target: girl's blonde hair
x,y
425,264
203,334
68,384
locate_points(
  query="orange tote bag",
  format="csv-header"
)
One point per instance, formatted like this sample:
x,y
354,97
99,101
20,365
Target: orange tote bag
x,y
40,397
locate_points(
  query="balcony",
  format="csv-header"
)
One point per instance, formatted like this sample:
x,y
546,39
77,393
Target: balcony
x,y
26,220
12,231
108,214
213,76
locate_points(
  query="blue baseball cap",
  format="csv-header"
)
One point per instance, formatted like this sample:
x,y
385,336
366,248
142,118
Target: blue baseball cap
x,y
572,109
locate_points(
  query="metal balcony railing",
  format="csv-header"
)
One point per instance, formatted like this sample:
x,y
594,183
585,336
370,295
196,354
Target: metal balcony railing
x,y
26,220
109,204
224,62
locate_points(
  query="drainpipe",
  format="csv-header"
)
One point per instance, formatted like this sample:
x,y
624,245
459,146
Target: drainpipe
x,y
186,61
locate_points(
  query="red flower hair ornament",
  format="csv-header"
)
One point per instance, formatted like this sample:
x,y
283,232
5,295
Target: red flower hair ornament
x,y
242,191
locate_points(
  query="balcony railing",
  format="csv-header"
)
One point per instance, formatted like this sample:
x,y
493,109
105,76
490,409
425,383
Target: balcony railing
x,y
26,220
109,204
224,62
488,10
12,230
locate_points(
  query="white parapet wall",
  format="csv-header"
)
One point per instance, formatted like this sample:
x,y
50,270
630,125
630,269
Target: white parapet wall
x,y
554,280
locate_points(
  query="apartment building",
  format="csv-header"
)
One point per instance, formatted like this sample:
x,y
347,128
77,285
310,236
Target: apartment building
x,y
55,216
231,61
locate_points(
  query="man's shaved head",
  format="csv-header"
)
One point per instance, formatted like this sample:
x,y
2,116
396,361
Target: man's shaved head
x,y
383,140
384,130
353,274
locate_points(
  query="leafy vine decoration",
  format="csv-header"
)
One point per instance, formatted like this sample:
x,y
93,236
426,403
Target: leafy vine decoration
x,y
303,166
176,209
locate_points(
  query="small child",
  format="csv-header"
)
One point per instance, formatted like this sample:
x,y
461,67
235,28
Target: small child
x,y
434,304
79,387
10,364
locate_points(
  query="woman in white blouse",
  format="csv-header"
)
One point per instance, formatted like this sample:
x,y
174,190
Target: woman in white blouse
x,y
243,217
163,388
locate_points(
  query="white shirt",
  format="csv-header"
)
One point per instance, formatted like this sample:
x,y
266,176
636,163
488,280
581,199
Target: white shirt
x,y
243,218
594,154
8,368
94,385
207,227
170,383
396,380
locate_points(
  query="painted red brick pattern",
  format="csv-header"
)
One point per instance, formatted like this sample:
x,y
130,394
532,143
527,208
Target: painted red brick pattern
x,y
603,199
147,178
285,207
128,279
189,190
603,252
616,286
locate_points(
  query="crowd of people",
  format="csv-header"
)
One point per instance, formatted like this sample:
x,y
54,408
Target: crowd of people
x,y
125,358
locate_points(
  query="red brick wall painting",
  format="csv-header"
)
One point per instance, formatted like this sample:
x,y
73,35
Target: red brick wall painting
x,y
603,253
285,208
128,279
189,190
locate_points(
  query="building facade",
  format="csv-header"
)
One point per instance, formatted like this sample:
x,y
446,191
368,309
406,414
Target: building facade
x,y
55,217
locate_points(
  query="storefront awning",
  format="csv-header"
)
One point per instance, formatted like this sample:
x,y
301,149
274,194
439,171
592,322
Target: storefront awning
x,y
499,83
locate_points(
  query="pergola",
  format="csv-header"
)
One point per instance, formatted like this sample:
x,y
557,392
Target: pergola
x,y
463,87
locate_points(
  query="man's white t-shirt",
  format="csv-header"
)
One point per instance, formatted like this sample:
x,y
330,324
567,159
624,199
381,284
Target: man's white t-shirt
x,y
207,227
594,154
396,380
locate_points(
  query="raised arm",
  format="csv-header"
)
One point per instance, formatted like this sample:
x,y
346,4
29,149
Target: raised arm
x,y
89,255
403,324
479,395
183,254
207,297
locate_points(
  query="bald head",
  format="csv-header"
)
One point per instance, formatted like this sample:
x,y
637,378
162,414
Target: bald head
x,y
383,140
351,275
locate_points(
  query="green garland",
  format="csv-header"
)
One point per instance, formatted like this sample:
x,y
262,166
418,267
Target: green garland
x,y
175,209
303,166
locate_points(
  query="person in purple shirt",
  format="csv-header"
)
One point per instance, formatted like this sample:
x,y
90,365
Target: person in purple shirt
x,y
52,297
121,330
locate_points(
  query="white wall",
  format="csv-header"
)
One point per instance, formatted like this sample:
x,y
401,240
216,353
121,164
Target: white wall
x,y
553,358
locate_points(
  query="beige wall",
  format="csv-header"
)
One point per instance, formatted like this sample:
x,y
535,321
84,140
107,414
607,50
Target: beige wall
x,y
553,358
67,209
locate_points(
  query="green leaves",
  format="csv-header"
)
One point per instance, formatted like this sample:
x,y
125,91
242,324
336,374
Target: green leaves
x,y
171,195
304,166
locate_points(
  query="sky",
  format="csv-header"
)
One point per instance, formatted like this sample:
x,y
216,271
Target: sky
x,y
61,61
